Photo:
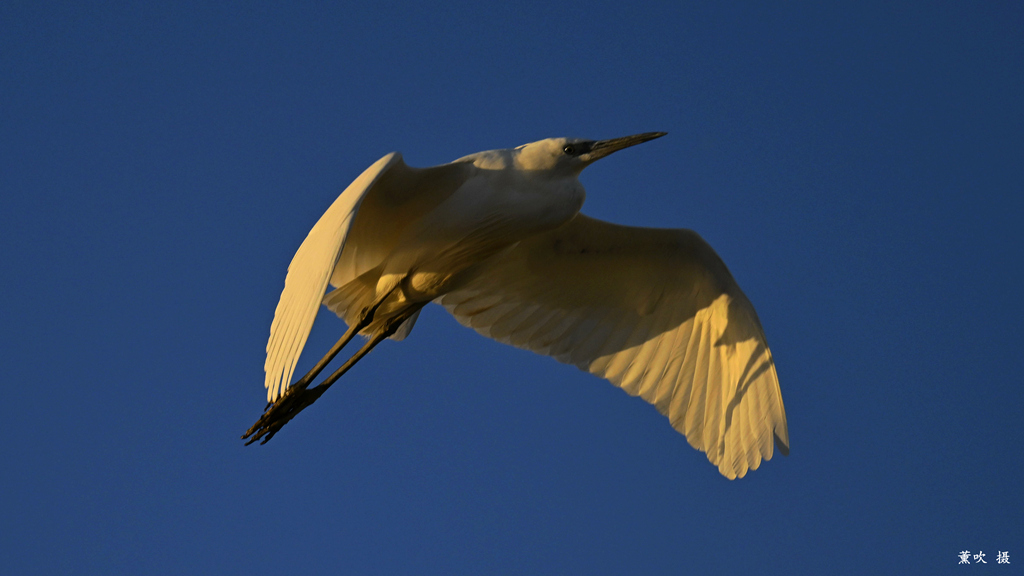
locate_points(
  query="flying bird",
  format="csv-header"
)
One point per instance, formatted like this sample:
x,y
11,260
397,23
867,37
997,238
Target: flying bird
x,y
497,238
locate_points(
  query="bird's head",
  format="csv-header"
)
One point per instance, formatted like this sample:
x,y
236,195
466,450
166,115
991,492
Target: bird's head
x,y
570,156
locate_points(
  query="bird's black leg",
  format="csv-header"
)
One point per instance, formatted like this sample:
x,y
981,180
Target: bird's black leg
x,y
298,396
388,329
364,320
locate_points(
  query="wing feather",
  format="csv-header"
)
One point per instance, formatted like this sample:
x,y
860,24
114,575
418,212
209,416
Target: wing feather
x,y
308,275
655,312
348,248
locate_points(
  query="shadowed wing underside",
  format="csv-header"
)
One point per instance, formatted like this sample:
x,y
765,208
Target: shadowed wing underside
x,y
655,312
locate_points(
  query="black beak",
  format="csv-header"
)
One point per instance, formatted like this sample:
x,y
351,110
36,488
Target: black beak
x,y
602,148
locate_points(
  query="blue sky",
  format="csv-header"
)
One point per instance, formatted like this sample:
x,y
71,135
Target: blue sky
x,y
860,169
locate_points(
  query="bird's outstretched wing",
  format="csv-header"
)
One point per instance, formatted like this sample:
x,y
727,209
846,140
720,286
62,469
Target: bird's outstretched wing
x,y
654,311
355,235
307,278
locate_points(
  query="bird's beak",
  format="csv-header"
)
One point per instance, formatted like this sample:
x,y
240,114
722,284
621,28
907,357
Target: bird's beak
x,y
602,148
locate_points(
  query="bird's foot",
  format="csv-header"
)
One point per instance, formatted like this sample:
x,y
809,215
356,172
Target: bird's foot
x,y
298,396
280,412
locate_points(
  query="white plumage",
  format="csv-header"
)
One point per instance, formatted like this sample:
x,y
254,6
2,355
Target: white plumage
x,y
308,274
497,239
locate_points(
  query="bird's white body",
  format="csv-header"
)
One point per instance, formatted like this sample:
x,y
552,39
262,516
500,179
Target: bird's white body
x,y
424,227
496,237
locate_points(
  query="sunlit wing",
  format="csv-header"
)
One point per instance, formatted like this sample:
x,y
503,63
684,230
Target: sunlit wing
x,y
307,278
655,312
344,248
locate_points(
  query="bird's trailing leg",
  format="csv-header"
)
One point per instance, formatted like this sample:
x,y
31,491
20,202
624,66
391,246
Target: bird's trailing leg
x,y
298,396
364,320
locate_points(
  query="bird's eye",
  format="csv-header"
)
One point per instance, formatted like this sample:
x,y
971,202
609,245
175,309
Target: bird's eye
x,y
569,149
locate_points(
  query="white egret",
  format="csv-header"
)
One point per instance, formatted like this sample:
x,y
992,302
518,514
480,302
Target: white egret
x,y
497,239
